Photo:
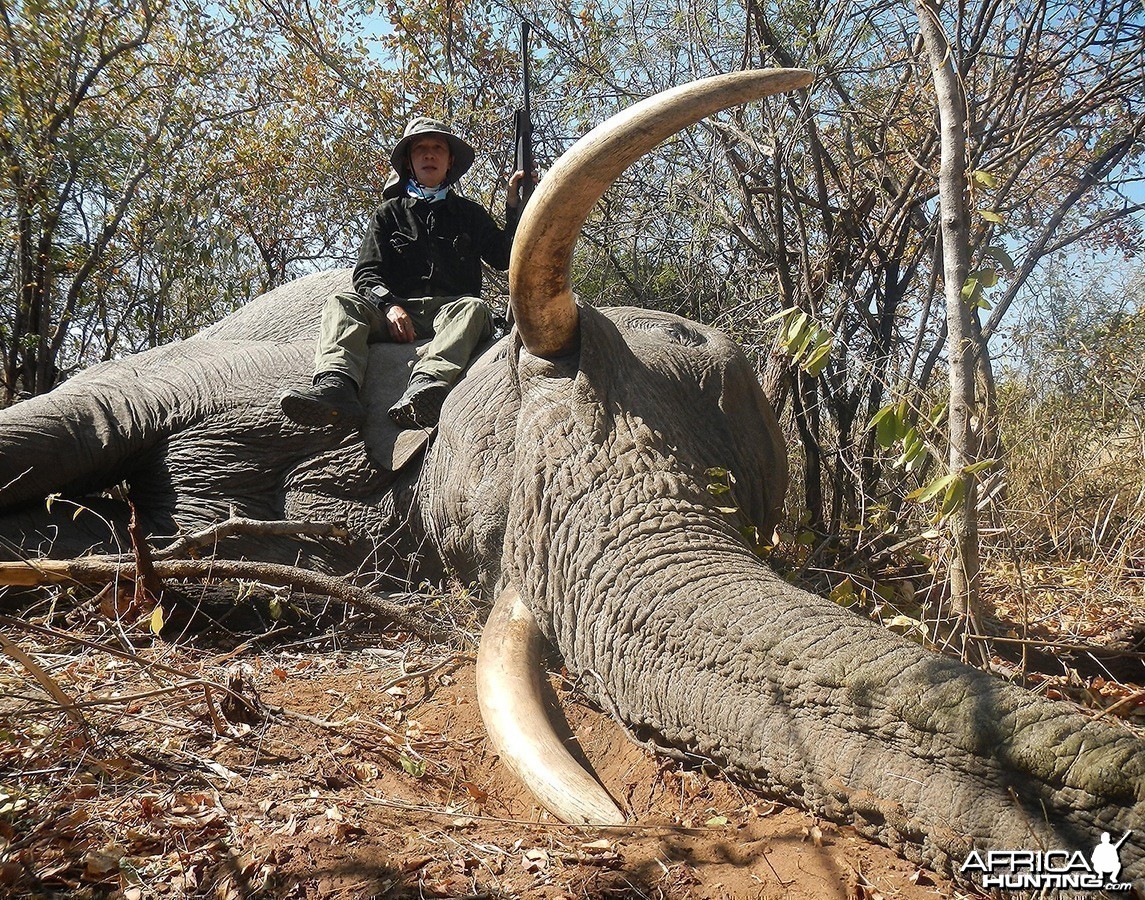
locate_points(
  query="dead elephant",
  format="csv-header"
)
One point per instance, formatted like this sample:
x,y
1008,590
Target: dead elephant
x,y
568,478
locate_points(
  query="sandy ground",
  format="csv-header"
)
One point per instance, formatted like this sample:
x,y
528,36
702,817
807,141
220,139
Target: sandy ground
x,y
364,783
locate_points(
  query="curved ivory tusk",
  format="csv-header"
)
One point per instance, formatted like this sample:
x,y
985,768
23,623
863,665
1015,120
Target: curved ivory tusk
x,y
509,693
540,290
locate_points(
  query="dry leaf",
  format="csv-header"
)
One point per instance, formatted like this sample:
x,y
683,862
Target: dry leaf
x,y
475,792
365,771
535,860
98,864
344,832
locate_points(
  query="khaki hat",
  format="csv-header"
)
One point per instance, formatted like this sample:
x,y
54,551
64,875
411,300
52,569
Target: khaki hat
x,y
423,127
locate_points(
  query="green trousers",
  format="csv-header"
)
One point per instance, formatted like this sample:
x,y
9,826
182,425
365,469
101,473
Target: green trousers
x,y
455,325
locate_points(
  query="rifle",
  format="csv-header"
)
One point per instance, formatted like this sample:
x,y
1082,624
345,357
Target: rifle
x,y
523,125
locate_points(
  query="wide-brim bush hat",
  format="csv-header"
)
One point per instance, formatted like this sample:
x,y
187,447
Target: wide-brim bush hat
x,y
420,127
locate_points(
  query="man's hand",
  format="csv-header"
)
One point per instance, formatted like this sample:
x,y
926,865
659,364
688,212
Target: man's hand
x,y
514,196
400,324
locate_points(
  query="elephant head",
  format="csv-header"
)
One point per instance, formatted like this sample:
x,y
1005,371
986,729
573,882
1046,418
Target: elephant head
x,y
569,476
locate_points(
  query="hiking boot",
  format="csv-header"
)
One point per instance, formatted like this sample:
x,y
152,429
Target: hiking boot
x,y
420,405
331,401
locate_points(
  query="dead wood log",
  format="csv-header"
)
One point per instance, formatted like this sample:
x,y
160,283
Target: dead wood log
x,y
92,570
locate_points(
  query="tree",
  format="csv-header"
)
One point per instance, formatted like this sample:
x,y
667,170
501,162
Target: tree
x,y
955,233
179,160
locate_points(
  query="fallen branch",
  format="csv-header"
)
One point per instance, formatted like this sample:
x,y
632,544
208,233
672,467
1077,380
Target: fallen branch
x,y
48,684
1096,649
209,537
100,569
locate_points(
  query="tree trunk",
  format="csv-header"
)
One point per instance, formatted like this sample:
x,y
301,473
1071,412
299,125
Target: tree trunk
x,y
962,521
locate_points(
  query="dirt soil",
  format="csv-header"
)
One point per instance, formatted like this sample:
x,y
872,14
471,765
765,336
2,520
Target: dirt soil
x,y
349,775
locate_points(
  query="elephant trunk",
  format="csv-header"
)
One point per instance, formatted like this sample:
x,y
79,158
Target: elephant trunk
x,y
112,414
701,648
540,288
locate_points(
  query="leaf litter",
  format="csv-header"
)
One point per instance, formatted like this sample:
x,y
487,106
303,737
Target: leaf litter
x,y
350,762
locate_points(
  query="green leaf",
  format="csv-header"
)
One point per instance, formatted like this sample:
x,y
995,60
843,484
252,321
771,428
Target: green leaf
x,y
275,608
1000,256
971,290
817,359
888,429
882,414
843,594
913,449
955,494
980,466
986,179
794,330
987,277
411,766
990,216
928,492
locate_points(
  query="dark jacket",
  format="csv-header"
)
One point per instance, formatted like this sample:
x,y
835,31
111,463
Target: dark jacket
x,y
413,248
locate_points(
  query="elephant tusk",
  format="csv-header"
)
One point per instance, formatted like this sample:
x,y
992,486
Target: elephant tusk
x,y
540,288
509,694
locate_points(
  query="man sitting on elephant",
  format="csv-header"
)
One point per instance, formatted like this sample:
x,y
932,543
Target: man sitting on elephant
x,y
418,276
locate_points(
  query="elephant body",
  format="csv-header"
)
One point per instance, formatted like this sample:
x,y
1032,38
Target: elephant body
x,y
575,470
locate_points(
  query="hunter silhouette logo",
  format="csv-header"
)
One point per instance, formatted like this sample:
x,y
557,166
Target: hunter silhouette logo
x,y
1055,869
1105,858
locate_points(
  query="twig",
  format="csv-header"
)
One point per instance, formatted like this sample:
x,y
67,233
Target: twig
x,y
217,721
115,651
1051,645
1112,709
425,673
209,537
97,569
113,701
48,684
148,587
